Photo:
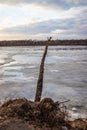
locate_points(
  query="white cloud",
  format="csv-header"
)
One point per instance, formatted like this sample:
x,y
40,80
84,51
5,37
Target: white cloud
x,y
36,20
57,31
24,14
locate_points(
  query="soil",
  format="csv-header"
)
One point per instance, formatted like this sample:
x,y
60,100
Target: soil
x,y
22,114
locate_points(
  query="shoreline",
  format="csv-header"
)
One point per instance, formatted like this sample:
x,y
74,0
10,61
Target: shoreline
x,y
43,115
43,43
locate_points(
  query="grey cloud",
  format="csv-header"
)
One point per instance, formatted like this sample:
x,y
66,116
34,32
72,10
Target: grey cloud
x,y
52,3
40,27
70,26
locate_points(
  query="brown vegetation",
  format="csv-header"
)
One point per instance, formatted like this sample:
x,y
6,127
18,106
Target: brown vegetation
x,y
43,115
42,43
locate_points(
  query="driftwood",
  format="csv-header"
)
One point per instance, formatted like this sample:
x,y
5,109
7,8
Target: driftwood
x,y
40,78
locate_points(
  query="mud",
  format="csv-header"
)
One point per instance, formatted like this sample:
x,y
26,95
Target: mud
x,y
44,115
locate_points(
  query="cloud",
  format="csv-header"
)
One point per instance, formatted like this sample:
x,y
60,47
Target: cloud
x,y
25,21
72,28
66,19
60,4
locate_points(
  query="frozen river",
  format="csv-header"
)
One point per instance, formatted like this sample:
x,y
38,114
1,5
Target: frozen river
x,y
65,74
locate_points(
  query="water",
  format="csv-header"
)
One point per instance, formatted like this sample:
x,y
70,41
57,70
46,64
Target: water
x,y
65,74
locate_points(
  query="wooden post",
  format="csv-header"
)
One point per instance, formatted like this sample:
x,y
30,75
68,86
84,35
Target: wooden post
x,y
40,78
41,74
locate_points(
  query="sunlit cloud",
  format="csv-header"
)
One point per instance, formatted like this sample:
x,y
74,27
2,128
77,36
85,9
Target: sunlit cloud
x,y
25,19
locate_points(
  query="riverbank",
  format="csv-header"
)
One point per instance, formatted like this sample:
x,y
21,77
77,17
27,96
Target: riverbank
x,y
43,43
44,115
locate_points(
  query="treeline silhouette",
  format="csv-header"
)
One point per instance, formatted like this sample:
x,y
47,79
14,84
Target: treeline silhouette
x,y
42,43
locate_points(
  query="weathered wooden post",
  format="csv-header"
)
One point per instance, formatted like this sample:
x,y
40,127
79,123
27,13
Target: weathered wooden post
x,y
41,74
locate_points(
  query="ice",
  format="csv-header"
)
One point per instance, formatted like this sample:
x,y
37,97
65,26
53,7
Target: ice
x,y
65,74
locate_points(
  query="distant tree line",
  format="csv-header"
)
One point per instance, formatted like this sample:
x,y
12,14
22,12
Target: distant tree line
x,y
42,43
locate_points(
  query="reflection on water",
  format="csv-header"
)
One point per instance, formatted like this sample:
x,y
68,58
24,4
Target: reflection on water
x,y
19,68
64,78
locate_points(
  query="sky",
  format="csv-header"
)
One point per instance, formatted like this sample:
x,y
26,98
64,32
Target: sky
x,y
39,19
